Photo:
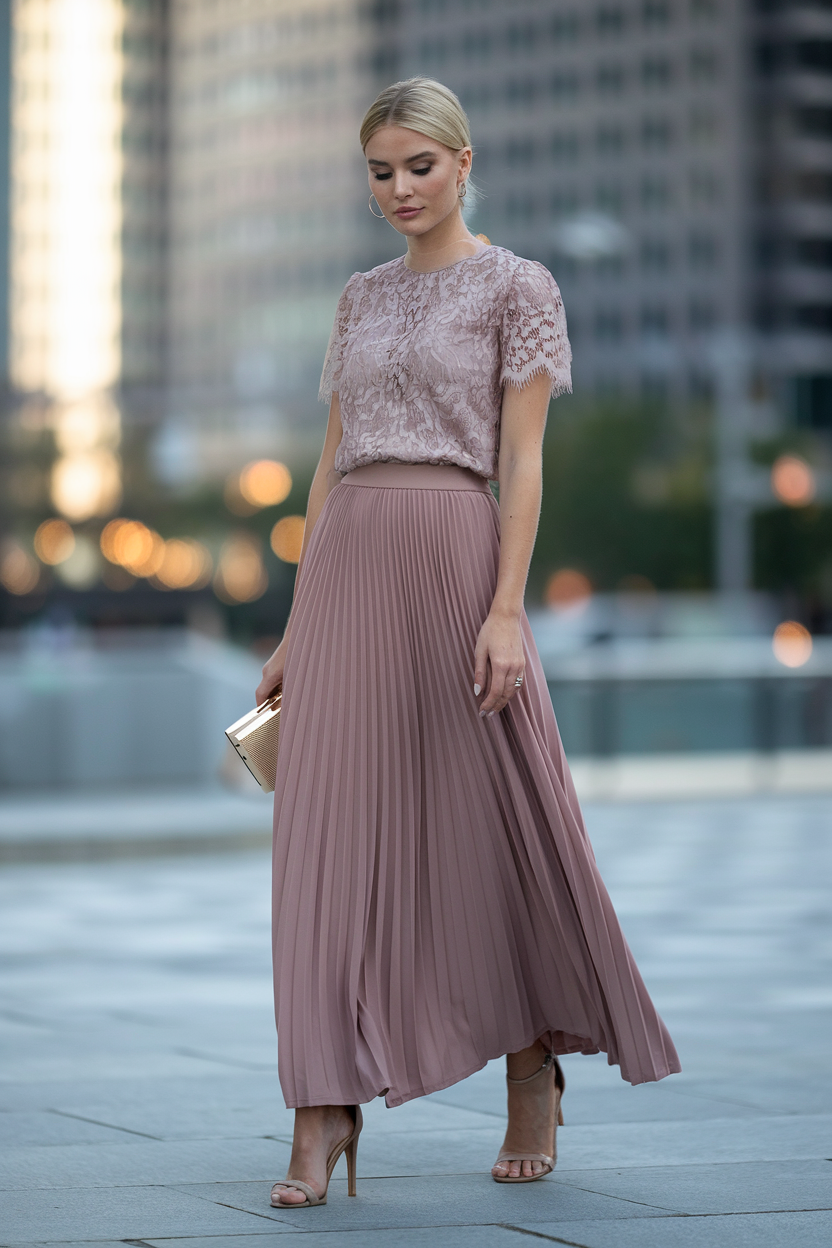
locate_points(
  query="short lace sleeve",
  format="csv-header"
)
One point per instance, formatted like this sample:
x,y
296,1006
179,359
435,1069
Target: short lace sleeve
x,y
533,335
331,375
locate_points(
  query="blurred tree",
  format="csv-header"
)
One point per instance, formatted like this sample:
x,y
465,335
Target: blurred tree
x,y
625,496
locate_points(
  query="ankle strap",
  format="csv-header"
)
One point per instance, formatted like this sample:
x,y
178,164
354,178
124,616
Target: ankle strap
x,y
547,1062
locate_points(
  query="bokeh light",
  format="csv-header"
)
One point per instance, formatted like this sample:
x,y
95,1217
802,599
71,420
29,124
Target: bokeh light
x,y
567,588
287,538
241,575
133,546
792,644
54,541
19,572
85,484
265,483
186,564
792,481
83,566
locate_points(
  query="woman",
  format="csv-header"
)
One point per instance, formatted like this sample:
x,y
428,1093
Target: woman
x,y
436,900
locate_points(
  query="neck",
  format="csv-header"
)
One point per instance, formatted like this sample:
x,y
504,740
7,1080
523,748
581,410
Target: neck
x,y
449,240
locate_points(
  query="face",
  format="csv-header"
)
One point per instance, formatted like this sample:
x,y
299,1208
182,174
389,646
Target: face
x,y
415,179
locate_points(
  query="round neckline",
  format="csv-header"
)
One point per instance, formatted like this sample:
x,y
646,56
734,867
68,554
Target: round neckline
x,y
445,267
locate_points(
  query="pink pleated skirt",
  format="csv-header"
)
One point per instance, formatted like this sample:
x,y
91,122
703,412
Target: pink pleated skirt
x,y
436,898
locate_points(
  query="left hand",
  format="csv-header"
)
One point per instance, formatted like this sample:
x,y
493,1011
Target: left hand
x,y
498,660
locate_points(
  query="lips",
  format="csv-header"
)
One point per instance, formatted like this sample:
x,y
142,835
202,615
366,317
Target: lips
x,y
407,212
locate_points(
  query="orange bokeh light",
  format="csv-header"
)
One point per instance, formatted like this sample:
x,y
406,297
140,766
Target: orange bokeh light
x,y
792,481
265,483
133,546
567,588
241,576
792,644
54,541
19,573
287,538
186,564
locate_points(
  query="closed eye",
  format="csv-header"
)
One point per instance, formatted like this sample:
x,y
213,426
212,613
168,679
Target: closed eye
x,y
385,177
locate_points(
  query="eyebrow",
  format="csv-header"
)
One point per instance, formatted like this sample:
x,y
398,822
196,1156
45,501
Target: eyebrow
x,y
409,161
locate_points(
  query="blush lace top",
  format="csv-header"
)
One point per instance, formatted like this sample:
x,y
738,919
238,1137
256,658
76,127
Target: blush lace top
x,y
419,360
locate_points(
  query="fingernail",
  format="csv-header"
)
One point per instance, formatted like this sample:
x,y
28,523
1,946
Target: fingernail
x,y
490,713
476,691
481,714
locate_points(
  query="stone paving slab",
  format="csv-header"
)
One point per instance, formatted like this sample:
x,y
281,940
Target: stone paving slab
x,y
38,1216
744,1187
760,1230
142,1164
434,1200
139,1061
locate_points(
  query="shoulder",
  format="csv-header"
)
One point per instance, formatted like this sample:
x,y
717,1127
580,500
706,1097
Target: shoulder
x,y
526,279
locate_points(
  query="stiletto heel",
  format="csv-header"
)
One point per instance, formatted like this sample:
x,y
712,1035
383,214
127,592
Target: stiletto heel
x,y
352,1157
348,1146
550,1062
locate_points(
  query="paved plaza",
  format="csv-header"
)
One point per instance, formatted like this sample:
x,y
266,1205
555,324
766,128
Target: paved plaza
x,y
140,1101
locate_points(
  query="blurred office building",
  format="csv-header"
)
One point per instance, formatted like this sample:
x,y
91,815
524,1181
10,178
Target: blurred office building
x,y
266,220
85,285
188,198
669,160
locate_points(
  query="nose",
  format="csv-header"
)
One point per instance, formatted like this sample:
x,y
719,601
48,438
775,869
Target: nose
x,y
402,185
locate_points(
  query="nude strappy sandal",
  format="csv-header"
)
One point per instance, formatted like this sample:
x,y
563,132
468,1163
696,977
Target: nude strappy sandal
x,y
348,1146
550,1062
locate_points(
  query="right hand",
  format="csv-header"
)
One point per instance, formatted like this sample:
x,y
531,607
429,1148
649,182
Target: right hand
x,y
272,674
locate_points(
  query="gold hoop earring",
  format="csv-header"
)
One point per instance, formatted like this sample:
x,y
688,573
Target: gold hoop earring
x,y
378,215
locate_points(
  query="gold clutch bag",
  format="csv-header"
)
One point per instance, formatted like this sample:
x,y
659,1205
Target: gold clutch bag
x,y
255,738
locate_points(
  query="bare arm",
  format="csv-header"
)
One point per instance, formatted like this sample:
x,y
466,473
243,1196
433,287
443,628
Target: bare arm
x,y
325,479
499,657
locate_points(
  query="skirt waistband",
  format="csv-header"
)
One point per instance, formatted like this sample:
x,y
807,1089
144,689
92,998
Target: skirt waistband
x,y
416,477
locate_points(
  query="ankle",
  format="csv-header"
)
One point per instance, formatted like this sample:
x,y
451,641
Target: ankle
x,y
527,1062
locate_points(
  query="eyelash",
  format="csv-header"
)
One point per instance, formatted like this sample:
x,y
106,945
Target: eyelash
x,y
383,177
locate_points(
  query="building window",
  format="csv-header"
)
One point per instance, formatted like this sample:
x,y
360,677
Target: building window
x,y
520,151
703,125
609,79
701,316
703,251
609,326
656,72
522,37
563,148
656,134
814,185
654,192
703,65
609,197
814,121
655,13
564,200
563,86
655,255
609,20
655,321
609,140
812,400
476,45
815,253
816,317
814,55
563,28
705,187
521,91
520,209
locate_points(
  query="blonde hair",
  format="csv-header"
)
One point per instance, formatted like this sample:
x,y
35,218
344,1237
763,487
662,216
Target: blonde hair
x,y
420,104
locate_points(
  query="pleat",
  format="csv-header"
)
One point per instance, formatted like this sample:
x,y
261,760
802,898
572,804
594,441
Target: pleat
x,y
436,899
